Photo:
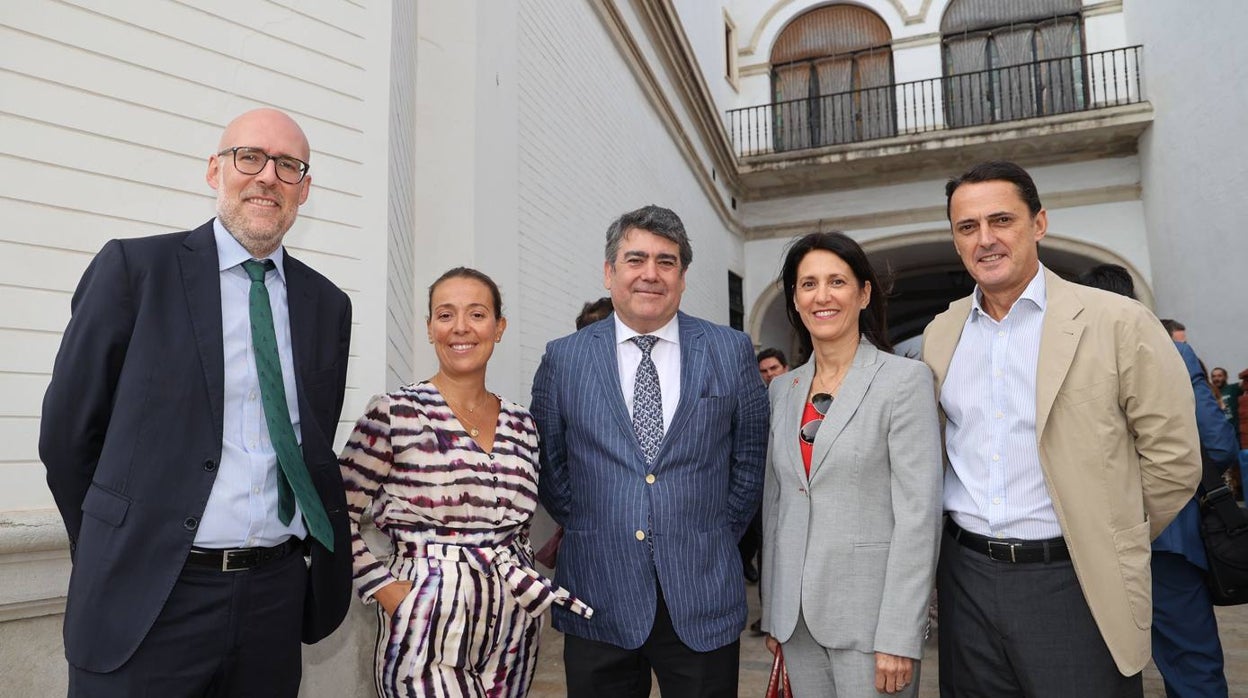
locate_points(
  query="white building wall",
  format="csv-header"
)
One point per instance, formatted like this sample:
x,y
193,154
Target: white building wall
x,y
1194,178
402,298
109,112
466,168
703,22
591,148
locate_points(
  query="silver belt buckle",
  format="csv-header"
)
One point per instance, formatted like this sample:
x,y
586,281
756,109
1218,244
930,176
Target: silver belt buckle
x,y
226,556
1008,546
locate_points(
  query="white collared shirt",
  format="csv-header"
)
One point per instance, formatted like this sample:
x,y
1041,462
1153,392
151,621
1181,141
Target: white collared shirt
x,y
666,357
242,507
995,485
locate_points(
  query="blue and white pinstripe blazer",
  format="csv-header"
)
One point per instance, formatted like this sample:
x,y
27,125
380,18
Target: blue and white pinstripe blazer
x,y
624,530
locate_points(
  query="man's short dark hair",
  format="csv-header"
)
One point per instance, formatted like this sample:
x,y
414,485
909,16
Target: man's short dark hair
x,y
1109,277
773,353
653,219
1173,326
593,311
996,171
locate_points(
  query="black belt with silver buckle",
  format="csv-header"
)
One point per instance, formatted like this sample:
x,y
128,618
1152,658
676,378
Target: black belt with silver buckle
x,y
237,559
1051,550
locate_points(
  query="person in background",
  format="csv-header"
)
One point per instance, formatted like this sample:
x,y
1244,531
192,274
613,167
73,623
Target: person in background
x,y
593,311
1177,330
1243,433
1186,646
851,505
771,363
448,470
1070,438
654,431
1230,393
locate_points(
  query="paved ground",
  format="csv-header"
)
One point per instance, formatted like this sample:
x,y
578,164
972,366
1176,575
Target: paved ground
x,y
756,661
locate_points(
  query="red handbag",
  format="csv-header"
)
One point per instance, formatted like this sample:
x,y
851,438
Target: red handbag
x,y
778,684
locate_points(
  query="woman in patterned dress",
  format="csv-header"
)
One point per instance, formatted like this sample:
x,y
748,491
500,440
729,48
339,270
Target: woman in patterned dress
x,y
448,471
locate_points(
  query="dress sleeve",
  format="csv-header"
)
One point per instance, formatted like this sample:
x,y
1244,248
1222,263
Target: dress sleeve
x,y
365,464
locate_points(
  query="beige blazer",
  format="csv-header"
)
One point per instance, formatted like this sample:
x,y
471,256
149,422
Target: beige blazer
x,y
853,548
1116,432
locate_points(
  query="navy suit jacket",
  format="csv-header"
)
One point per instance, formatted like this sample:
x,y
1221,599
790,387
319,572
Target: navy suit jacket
x,y
131,432
706,486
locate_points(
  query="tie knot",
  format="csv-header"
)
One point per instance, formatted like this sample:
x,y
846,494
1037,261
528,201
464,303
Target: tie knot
x,y
645,342
256,268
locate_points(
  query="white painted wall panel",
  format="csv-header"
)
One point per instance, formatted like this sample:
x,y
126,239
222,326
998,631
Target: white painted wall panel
x,y
591,148
401,297
110,110
1194,177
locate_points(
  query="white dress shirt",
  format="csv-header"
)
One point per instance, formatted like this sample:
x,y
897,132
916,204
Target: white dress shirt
x,y
995,486
666,357
242,508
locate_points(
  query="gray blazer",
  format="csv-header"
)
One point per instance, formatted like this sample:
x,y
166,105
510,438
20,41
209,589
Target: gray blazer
x,y
854,548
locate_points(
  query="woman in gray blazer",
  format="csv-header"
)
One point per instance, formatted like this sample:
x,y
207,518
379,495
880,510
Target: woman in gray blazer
x,y
852,500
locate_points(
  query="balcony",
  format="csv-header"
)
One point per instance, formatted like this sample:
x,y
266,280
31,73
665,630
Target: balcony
x,y
1054,110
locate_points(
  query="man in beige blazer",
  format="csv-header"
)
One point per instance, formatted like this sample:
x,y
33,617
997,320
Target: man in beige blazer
x,y
1070,442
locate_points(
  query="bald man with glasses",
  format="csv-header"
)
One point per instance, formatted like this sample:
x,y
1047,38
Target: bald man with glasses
x,y
187,438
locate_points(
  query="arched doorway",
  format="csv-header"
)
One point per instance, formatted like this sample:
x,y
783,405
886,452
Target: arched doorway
x,y
927,276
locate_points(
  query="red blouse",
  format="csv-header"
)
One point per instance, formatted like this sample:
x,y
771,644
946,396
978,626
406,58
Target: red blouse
x,y
810,414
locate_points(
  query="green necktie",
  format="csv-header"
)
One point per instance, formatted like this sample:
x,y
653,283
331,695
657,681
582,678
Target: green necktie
x,y
293,481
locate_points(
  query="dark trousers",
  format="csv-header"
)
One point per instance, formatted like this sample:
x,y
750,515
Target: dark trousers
x,y
220,635
602,670
1020,630
1186,648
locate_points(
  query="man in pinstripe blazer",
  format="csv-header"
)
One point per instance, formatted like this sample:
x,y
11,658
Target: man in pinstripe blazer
x,y
654,432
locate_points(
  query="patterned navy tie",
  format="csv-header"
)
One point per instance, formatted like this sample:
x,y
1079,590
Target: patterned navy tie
x,y
293,481
647,400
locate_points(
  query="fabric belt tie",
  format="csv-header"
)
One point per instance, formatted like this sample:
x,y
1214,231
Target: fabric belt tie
x,y
1012,551
531,590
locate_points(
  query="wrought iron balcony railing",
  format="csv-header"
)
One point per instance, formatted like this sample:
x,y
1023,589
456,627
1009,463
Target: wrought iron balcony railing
x,y
1010,93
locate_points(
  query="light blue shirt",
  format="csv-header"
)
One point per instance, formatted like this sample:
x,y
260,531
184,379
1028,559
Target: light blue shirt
x,y
242,508
995,485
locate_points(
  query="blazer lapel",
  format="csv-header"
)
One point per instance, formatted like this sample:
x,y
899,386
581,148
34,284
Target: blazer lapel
x,y
606,369
201,280
301,303
1059,337
854,388
789,421
694,371
942,338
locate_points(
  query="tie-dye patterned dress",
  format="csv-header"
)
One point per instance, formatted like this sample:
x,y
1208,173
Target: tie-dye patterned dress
x,y
459,518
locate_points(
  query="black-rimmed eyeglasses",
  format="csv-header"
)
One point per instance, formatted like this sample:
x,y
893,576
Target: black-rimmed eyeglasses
x,y
252,161
822,402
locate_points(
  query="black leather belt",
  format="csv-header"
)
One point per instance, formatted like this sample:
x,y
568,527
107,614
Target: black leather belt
x,y
1050,550
237,559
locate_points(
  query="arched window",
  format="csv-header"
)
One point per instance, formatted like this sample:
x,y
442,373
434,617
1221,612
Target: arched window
x,y
1011,59
831,77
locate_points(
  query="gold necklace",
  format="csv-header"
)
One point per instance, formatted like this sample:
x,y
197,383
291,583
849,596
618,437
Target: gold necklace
x,y
837,384
473,431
